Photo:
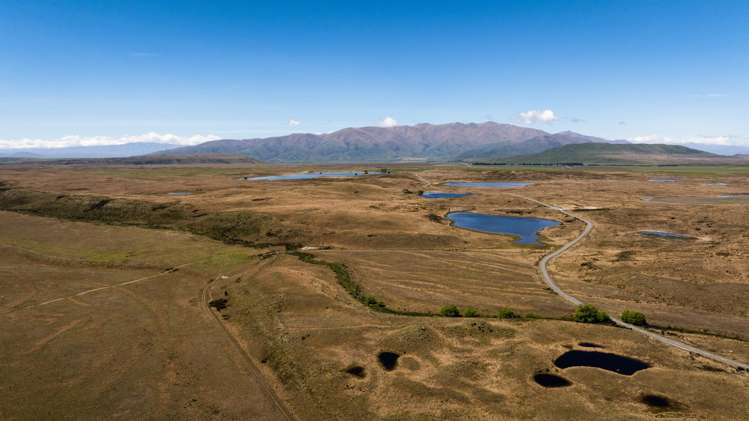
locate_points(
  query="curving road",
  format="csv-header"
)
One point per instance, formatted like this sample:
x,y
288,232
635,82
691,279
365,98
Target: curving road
x,y
542,268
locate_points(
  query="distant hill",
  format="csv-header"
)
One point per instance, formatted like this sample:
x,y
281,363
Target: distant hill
x,y
728,150
140,160
544,142
604,153
101,151
422,142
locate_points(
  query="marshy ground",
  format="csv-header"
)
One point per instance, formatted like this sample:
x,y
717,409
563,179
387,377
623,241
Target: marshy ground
x,y
317,299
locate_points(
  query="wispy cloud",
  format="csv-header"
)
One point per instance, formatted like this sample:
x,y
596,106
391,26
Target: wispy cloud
x,y
714,140
704,139
538,116
389,122
76,140
651,138
294,123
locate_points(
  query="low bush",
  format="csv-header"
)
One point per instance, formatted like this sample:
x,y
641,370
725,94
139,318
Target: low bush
x,y
506,313
470,312
588,313
634,317
434,217
219,303
373,301
450,311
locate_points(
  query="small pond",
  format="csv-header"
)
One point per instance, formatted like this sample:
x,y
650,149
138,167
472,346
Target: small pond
x,y
494,184
663,180
441,195
665,234
590,345
309,175
356,371
389,360
660,402
551,380
611,362
180,193
525,228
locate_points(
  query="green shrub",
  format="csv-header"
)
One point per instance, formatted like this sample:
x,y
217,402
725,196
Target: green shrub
x,y
506,313
634,317
434,217
532,316
450,311
470,312
588,313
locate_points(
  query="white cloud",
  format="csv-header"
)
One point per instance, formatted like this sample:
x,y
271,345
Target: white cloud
x,y
536,116
708,140
652,138
714,140
294,123
75,140
389,122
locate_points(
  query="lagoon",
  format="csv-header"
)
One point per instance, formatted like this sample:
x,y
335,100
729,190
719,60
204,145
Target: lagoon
x,y
526,229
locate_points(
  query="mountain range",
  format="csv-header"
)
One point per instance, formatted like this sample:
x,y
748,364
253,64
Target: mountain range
x,y
421,142
98,151
470,142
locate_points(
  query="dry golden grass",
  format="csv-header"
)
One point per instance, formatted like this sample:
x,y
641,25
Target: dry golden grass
x,y
303,329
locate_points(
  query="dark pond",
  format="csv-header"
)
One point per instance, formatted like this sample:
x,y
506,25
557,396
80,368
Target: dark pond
x,y
611,362
663,180
665,234
495,184
180,193
590,345
525,228
388,360
308,175
356,371
656,401
441,195
551,380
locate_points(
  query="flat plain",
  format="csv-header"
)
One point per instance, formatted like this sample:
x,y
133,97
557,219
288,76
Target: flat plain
x,y
194,293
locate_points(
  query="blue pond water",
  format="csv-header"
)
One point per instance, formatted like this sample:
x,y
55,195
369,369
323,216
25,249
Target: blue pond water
x,y
665,234
494,184
611,362
526,229
308,175
441,195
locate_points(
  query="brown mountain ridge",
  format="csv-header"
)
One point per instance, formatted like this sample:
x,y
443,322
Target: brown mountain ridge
x,y
421,142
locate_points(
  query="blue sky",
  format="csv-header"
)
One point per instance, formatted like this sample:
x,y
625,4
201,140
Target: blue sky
x,y
73,72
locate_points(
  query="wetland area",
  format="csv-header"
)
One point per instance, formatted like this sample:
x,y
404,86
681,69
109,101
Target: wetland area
x,y
290,292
